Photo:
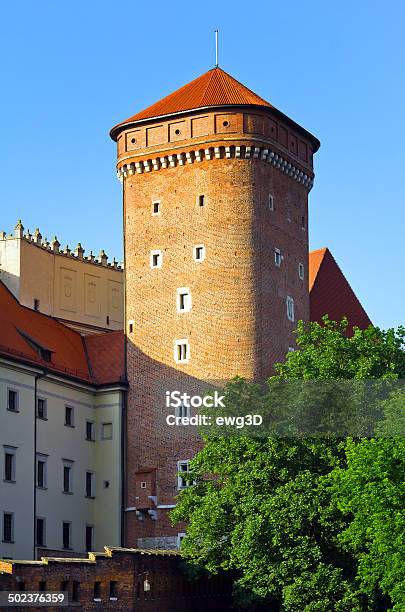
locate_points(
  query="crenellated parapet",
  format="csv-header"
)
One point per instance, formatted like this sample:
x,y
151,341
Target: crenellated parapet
x,y
54,246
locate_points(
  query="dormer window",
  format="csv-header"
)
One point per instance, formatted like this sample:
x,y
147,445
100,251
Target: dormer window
x,y
44,353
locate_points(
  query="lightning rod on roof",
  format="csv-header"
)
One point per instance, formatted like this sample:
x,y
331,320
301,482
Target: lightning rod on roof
x,y
216,48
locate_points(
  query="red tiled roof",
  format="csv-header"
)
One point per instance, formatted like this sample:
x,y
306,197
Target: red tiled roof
x,y
213,88
106,356
330,292
22,330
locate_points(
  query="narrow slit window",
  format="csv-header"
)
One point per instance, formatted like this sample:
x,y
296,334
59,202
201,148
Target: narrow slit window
x,y
277,258
183,299
156,207
290,308
156,259
181,351
201,200
199,252
301,271
271,202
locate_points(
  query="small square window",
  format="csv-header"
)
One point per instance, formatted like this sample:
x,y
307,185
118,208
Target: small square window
x,y
199,252
183,299
41,408
271,202
143,484
156,259
301,271
69,416
106,431
156,207
277,258
12,400
290,308
201,200
181,351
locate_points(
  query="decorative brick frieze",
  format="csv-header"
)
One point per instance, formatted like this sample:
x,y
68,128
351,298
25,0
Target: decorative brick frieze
x,y
228,152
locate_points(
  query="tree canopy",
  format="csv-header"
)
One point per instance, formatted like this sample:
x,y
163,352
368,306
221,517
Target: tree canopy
x,y
306,524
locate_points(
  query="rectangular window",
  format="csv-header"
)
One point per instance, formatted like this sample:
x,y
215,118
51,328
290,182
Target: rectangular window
x,y
75,590
183,299
180,538
181,351
69,416
67,478
9,464
303,225
199,252
66,534
36,304
271,202
41,408
8,527
41,471
64,586
183,468
156,207
89,484
42,585
301,271
113,589
90,430
106,431
290,308
277,258
201,200
89,538
156,259
97,591
12,400
40,532
183,411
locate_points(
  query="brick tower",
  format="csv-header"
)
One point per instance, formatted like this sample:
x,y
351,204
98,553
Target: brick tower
x,y
215,193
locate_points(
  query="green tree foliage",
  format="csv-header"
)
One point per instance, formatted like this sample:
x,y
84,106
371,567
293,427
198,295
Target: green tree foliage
x,y
288,516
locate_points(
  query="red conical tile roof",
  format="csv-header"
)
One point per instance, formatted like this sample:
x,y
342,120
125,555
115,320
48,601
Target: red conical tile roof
x,y
213,88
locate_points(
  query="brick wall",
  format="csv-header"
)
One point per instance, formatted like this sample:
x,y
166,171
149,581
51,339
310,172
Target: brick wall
x,y
170,588
238,323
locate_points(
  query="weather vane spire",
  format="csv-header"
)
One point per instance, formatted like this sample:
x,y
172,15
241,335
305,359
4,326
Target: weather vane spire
x,y
216,48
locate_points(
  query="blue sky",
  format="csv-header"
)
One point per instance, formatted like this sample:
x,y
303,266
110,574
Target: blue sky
x,y
69,71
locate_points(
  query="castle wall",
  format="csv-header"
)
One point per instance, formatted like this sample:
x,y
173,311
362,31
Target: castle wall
x,y
81,291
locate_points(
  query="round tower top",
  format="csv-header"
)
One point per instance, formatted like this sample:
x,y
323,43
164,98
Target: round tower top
x,y
213,89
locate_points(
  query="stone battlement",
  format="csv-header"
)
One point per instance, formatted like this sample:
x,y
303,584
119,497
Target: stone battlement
x,y
54,247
